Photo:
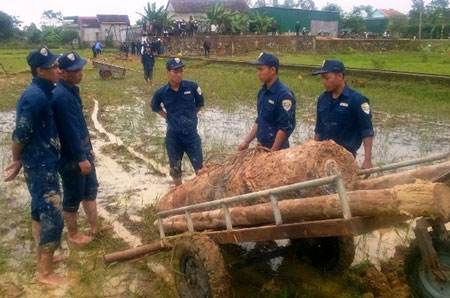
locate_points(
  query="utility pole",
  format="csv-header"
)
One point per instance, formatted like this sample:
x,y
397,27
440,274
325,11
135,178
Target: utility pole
x,y
420,23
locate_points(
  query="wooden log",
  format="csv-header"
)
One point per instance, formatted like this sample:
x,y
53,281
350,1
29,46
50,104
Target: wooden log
x,y
307,161
430,173
412,200
134,252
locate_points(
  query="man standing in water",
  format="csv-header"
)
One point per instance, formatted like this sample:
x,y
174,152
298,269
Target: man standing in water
x,y
36,146
182,101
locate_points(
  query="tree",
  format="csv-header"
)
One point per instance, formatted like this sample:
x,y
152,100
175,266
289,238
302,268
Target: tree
x,y
52,18
50,35
260,22
67,35
6,26
32,33
332,7
398,25
365,11
306,4
353,21
160,15
239,22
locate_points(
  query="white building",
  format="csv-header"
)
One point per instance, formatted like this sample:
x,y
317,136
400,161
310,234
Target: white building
x,y
99,28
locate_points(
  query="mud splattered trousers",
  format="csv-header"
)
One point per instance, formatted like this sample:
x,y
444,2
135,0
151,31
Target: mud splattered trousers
x,y
77,187
177,144
43,185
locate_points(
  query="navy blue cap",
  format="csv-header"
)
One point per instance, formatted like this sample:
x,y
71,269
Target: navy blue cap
x,y
41,57
174,63
267,59
330,66
71,61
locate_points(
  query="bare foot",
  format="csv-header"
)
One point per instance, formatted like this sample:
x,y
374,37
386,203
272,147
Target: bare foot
x,y
52,279
59,258
79,238
102,228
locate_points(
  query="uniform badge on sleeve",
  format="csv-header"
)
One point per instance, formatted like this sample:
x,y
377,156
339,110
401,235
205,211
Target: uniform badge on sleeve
x,y
199,90
287,104
366,108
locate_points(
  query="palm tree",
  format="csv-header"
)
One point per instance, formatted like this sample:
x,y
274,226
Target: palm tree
x,y
159,15
261,22
239,22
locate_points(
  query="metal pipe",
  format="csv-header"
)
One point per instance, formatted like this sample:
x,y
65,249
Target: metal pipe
x,y
276,210
162,234
189,221
226,213
250,196
405,163
343,197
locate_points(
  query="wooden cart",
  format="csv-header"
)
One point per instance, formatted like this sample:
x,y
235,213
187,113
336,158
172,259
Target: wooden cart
x,y
200,267
108,71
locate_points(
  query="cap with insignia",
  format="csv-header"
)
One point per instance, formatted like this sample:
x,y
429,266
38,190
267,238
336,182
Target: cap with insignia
x,y
267,59
41,57
71,61
330,66
174,63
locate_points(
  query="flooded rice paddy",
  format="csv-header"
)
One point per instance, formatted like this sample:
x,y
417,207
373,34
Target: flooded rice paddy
x,y
132,170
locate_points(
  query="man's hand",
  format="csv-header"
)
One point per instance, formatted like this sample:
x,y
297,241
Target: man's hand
x,y
12,170
85,167
367,164
242,146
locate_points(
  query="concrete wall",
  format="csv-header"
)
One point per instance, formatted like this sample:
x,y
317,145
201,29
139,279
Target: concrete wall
x,y
235,44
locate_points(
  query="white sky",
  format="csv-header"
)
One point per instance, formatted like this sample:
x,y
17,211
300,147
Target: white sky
x,y
31,10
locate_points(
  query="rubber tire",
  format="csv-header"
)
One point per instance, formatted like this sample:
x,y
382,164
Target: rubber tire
x,y
105,74
199,254
326,253
416,273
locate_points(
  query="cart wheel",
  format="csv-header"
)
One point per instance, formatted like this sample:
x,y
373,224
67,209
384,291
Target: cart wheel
x,y
421,280
199,268
327,253
105,74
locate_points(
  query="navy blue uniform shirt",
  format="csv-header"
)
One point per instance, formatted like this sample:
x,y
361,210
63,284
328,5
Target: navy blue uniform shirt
x,y
181,106
35,125
148,60
70,122
276,111
345,120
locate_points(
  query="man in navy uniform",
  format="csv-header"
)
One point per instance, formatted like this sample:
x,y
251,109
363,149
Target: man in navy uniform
x,y
343,114
182,101
36,146
276,108
148,62
76,165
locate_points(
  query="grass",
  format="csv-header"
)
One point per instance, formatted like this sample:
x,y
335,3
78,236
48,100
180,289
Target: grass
x,y
231,86
438,61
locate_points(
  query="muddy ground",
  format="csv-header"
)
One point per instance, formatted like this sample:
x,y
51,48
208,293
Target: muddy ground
x,y
131,168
